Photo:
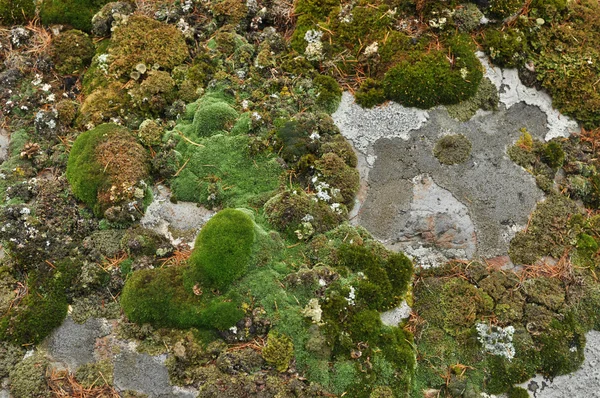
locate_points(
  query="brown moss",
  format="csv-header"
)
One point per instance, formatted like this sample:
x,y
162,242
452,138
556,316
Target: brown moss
x,y
147,41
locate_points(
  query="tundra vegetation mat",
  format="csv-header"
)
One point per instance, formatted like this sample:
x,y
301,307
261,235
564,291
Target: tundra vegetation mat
x,y
227,104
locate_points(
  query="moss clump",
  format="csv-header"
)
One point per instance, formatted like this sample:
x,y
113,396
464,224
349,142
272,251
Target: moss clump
x,y
67,110
329,93
75,13
27,379
486,98
223,173
289,211
553,154
517,392
10,355
427,80
562,347
222,250
370,93
546,233
155,93
332,170
467,17
106,166
146,41
505,48
71,52
452,149
342,148
158,297
95,374
568,64
103,105
279,351
213,117
16,11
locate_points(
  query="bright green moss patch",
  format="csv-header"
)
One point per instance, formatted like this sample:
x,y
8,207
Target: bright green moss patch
x,y
486,98
433,79
75,13
223,173
329,93
158,297
223,250
212,118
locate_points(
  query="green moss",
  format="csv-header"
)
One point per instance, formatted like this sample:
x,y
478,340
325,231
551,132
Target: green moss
x,y
105,164
103,105
370,93
222,250
155,93
16,11
587,246
42,309
329,93
95,374
212,118
505,48
27,379
432,79
546,231
287,212
222,173
486,98
150,133
505,8
146,41
568,64
562,347
67,110
342,148
279,351
334,171
71,52
553,154
452,149
10,355
467,17
75,13
462,305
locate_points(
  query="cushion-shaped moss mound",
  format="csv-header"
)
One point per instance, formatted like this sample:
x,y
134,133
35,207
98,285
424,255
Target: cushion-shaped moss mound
x,y
222,250
146,41
105,166
158,297
436,78
71,51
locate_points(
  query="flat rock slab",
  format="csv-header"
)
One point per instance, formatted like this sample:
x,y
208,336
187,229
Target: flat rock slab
x,y
145,374
497,194
4,142
585,382
179,222
73,344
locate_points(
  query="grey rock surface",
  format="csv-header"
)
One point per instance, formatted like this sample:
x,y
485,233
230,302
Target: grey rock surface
x,y
4,141
498,194
72,344
146,374
179,222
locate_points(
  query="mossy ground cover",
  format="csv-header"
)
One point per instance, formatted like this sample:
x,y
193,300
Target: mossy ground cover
x,y
230,113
